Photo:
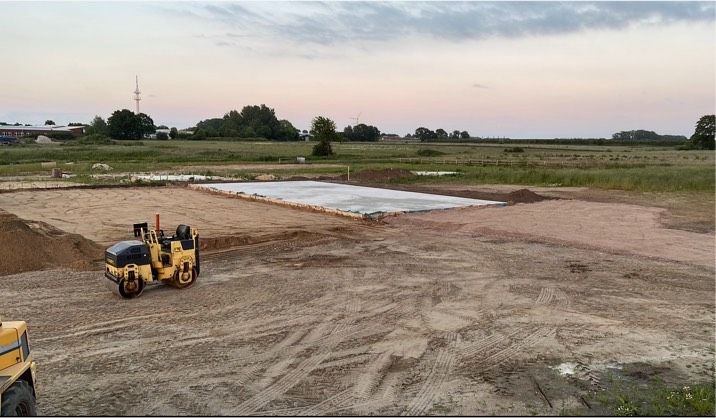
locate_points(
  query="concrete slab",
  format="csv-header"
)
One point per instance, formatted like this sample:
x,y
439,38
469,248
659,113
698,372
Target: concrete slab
x,y
357,201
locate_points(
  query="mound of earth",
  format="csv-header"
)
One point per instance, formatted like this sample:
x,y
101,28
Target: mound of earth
x,y
517,196
525,196
29,245
379,176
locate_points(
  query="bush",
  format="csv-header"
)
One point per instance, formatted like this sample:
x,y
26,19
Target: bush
x,y
93,139
515,149
198,135
162,136
429,153
322,149
61,136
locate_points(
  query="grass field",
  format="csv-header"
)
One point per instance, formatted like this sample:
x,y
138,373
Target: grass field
x,y
637,168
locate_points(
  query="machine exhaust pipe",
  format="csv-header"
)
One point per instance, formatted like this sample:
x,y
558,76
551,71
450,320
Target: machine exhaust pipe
x,y
156,215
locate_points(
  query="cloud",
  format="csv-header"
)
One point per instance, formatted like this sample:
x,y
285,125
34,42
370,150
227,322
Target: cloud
x,y
341,22
480,86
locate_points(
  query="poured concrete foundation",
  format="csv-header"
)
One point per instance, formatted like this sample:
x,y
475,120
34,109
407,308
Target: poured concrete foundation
x,y
343,199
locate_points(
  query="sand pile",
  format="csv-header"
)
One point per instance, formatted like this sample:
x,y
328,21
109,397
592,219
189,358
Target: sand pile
x,y
28,246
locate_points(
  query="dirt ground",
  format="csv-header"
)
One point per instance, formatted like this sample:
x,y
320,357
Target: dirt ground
x,y
523,310
107,215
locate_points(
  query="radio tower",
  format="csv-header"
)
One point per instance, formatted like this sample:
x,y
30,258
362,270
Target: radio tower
x,y
137,98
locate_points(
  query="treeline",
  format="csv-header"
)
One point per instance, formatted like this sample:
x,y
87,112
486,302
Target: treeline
x,y
361,132
425,134
643,135
251,122
565,141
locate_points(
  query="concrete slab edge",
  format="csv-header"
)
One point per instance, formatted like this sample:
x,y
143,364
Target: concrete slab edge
x,y
320,209
280,202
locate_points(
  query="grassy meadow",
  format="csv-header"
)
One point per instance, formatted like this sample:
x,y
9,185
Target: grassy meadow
x,y
633,168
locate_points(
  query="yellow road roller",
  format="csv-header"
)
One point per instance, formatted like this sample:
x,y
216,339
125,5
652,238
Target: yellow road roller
x,y
153,257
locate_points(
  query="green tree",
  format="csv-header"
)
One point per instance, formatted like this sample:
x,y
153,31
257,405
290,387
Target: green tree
x,y
252,121
212,127
455,134
287,132
49,122
361,132
464,135
704,137
146,124
324,130
162,136
425,134
636,135
441,133
248,132
199,135
124,124
97,126
173,133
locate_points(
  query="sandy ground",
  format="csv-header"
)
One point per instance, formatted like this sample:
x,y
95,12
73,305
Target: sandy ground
x,y
686,211
613,227
107,215
422,314
36,184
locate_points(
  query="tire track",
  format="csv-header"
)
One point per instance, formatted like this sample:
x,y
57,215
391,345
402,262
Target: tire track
x,y
486,344
337,401
495,359
361,358
104,327
284,384
472,317
552,296
342,330
545,296
374,374
440,370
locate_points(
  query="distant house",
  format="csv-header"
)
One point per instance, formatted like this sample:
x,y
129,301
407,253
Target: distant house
x,y
305,135
154,135
19,131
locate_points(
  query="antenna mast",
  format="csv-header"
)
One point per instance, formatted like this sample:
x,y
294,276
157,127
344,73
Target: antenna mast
x,y
355,119
137,98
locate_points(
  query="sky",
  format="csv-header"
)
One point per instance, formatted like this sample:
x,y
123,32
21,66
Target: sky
x,y
495,69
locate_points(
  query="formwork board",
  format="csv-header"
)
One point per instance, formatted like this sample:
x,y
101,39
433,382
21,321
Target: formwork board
x,y
346,199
